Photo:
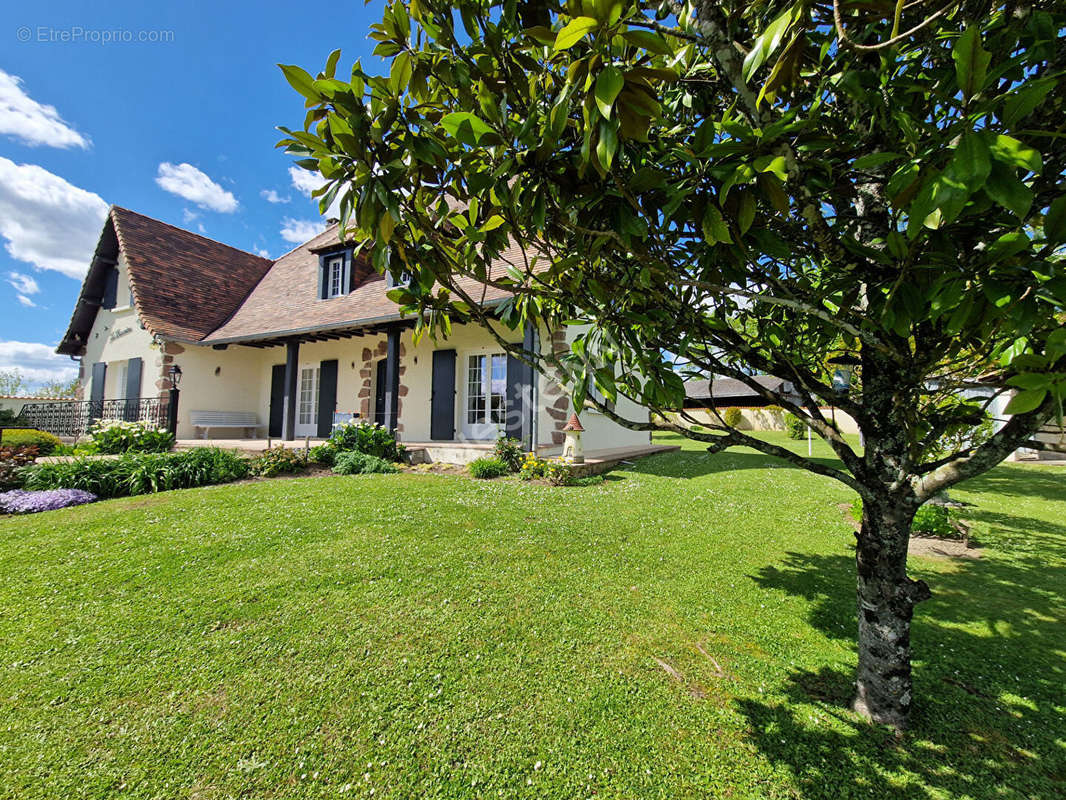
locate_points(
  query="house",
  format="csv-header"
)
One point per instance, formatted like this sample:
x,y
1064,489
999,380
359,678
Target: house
x,y
293,342
757,412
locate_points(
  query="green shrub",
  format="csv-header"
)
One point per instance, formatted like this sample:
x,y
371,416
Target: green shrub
x,y
114,436
7,416
43,441
367,437
325,454
138,473
559,473
12,459
510,452
929,520
795,427
732,417
352,462
278,460
487,467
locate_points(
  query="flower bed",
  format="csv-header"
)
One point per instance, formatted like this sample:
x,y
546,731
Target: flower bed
x,y
20,501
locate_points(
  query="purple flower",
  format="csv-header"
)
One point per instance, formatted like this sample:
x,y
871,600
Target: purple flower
x,y
20,501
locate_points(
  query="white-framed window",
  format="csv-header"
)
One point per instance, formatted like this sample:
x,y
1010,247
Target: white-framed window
x,y
486,389
335,276
123,377
308,408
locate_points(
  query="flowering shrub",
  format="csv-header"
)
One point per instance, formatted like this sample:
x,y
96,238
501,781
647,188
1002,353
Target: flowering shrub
x,y
559,473
509,451
555,471
113,436
487,468
11,458
367,437
19,501
732,416
276,461
352,462
532,467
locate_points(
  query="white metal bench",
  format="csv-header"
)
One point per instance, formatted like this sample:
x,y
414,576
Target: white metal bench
x,y
206,420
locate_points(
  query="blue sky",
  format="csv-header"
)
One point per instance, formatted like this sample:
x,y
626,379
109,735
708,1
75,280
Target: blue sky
x,y
180,127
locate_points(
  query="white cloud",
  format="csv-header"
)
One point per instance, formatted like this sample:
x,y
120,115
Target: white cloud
x,y
299,231
262,251
47,221
26,301
23,284
273,197
304,181
37,362
188,216
187,181
33,123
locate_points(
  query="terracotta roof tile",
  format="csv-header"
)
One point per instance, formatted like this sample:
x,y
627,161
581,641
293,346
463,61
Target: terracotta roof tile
x,y
286,300
184,285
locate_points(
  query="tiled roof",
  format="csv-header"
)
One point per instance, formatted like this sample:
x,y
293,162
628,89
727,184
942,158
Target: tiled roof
x,y
286,300
184,285
191,288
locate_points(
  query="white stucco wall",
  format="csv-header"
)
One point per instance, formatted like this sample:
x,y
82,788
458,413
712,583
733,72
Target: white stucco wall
x,y
116,337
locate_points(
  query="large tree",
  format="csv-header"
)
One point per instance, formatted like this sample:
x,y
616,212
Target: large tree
x,y
743,187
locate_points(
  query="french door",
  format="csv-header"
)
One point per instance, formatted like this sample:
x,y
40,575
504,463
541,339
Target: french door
x,y
485,409
307,402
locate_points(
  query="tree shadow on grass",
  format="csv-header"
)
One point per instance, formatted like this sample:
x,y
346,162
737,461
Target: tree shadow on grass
x,y
1048,483
990,667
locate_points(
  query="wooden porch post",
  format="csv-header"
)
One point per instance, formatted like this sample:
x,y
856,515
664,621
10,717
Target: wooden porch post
x,y
292,371
392,379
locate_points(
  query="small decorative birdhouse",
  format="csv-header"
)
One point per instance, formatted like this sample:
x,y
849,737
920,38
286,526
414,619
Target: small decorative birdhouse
x,y
572,449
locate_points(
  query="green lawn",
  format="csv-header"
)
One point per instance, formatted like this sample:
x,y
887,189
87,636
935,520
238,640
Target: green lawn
x,y
428,635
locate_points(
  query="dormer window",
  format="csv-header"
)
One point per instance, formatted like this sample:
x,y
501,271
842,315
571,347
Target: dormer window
x,y
404,279
334,274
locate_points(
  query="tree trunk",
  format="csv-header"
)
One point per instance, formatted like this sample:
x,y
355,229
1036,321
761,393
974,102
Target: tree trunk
x,y
886,598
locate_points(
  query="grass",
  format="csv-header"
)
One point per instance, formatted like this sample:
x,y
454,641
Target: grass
x,y
436,636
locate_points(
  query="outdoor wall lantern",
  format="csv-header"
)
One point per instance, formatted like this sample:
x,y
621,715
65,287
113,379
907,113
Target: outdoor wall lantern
x,y
175,374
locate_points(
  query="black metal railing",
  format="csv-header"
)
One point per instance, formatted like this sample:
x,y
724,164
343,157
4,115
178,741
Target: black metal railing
x,y
73,418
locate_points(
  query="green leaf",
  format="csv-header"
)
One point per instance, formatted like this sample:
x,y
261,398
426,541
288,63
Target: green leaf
x,y
1007,245
331,64
746,212
1025,401
715,228
574,31
607,145
400,74
1010,151
1004,187
971,62
650,41
1020,103
874,160
769,40
492,223
466,127
774,164
300,80
1055,221
608,84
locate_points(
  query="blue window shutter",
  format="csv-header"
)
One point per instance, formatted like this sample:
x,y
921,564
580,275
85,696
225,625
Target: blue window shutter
x,y
111,287
323,279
